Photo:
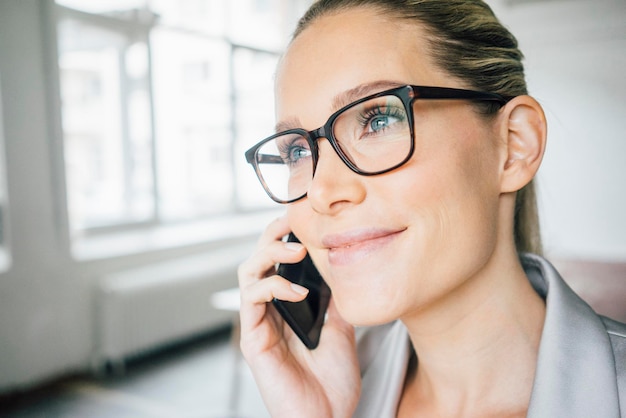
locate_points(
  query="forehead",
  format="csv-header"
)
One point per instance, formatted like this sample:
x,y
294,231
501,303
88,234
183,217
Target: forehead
x,y
341,51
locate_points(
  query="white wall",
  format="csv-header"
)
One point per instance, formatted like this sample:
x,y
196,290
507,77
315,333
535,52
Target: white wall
x,y
576,65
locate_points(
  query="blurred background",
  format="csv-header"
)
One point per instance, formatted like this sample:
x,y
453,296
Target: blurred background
x,y
126,203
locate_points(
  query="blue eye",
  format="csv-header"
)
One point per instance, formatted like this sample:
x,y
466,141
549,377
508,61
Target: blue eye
x,y
381,122
293,149
297,153
381,118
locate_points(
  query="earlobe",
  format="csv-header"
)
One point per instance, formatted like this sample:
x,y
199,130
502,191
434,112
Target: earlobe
x,y
525,133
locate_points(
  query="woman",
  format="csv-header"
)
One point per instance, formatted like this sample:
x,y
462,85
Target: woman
x,y
417,206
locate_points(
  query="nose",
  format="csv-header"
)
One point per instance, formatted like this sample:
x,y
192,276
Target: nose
x,y
334,185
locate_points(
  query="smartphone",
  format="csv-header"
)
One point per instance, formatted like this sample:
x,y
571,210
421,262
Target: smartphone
x,y
307,316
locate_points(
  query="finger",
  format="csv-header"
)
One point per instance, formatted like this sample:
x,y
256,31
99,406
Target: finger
x,y
274,287
274,231
255,297
262,262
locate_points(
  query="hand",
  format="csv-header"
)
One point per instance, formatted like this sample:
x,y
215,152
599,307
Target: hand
x,y
293,380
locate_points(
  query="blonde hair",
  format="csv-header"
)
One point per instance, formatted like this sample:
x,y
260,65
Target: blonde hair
x,y
468,42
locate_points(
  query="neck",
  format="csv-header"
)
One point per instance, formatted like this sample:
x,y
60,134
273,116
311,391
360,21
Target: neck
x,y
477,349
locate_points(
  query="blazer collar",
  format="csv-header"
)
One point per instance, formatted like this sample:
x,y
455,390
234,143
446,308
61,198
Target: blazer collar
x,y
575,375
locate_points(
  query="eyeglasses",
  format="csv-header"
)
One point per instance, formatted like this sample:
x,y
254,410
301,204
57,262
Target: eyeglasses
x,y
372,136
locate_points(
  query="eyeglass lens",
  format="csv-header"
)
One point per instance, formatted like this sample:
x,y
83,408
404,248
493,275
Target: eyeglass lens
x,y
373,136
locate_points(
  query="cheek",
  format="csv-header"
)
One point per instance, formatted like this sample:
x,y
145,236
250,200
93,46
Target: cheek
x,y
299,219
459,203
456,166
459,191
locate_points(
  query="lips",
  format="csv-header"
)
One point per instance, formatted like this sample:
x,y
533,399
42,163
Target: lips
x,y
354,246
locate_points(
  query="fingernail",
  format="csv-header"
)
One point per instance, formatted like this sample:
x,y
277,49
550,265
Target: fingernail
x,y
293,246
299,289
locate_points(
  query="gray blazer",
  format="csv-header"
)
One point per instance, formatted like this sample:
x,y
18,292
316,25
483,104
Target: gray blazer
x,y
581,368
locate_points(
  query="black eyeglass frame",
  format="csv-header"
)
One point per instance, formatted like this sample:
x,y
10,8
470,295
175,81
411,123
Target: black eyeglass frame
x,y
407,94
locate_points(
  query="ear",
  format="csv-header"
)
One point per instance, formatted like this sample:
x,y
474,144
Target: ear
x,y
524,131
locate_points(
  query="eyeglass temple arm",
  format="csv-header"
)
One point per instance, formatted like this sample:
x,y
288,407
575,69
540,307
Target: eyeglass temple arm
x,y
268,159
452,93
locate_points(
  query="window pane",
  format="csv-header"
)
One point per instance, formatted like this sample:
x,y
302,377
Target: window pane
x,y
208,16
106,124
254,97
193,124
260,23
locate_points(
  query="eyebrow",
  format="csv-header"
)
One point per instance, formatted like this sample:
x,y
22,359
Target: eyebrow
x,y
285,125
362,90
343,99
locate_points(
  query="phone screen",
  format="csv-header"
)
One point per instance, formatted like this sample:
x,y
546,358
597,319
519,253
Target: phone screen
x,y
305,317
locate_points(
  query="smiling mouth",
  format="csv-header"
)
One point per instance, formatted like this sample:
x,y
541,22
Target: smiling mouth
x,y
352,247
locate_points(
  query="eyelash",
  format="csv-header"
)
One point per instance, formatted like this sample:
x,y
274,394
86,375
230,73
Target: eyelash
x,y
368,114
286,149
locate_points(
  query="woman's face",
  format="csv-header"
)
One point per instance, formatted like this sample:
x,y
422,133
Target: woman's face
x,y
395,244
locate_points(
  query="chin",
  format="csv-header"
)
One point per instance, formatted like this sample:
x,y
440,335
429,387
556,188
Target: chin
x,y
359,312
367,296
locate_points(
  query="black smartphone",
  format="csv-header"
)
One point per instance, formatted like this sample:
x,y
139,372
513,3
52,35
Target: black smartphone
x,y
307,316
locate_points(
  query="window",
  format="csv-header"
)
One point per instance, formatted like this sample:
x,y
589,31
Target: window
x,y
159,100
105,95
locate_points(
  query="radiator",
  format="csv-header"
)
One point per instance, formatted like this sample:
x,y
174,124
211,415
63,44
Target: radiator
x,y
145,308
